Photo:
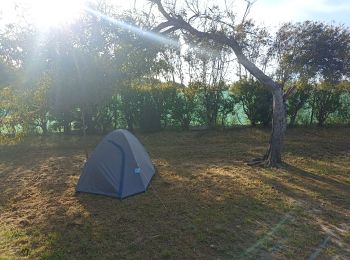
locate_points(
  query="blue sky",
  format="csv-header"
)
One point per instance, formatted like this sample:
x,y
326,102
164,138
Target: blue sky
x,y
274,12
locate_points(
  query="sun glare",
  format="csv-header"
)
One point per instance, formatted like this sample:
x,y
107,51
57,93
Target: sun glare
x,y
53,13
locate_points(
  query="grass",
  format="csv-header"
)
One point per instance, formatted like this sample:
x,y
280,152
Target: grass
x,y
203,203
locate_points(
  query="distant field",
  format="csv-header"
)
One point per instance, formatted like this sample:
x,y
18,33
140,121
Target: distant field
x,y
203,203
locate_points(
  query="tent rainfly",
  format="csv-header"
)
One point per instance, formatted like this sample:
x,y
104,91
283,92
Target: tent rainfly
x,y
118,167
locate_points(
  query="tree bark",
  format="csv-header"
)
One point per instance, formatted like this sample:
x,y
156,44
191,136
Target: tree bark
x,y
273,156
312,111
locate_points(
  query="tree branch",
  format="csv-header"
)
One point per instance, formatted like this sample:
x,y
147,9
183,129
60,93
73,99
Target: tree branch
x,y
162,26
180,24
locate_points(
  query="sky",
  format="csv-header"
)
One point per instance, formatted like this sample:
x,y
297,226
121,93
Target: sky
x,y
268,12
274,12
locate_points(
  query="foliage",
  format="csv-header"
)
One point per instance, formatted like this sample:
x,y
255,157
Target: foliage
x,y
313,58
227,107
149,116
298,99
326,100
37,103
13,115
184,106
313,51
256,101
211,99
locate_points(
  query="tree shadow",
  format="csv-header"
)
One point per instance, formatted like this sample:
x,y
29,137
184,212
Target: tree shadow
x,y
312,177
317,143
323,200
314,189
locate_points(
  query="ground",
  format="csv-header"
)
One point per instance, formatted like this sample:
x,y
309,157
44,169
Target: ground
x,y
204,201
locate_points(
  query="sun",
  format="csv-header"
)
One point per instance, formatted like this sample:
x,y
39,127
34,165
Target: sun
x,y
55,13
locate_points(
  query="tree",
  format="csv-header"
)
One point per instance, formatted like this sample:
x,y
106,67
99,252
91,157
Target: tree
x,y
184,106
210,98
326,100
14,117
227,106
130,103
81,81
298,99
224,32
344,111
317,54
37,102
256,101
149,115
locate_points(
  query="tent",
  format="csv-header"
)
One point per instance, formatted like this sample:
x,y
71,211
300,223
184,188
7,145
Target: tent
x,y
118,167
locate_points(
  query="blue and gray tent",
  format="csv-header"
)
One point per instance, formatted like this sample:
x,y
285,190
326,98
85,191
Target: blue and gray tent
x,y
118,167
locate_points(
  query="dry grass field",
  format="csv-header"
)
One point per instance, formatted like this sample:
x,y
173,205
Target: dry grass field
x,y
203,203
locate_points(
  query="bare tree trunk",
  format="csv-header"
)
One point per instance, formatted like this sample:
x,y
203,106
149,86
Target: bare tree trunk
x,y
312,111
279,124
